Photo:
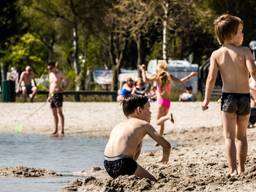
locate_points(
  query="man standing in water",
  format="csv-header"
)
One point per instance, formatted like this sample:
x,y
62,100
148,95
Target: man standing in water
x,y
55,97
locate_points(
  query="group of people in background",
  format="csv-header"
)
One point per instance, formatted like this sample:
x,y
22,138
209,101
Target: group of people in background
x,y
27,87
235,64
157,87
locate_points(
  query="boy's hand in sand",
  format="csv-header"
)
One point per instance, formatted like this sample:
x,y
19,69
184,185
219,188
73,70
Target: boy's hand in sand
x,y
164,160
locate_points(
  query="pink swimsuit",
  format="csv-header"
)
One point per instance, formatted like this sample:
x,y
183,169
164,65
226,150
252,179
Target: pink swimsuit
x,y
165,102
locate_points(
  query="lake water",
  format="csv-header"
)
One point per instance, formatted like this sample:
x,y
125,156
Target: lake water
x,y
65,155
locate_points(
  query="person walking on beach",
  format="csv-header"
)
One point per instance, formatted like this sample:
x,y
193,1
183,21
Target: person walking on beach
x,y
125,141
27,84
235,64
163,84
55,97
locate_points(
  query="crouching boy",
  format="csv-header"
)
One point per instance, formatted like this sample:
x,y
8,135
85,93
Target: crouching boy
x,y
125,141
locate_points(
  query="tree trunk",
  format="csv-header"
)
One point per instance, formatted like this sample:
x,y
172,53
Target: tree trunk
x,y
138,43
164,30
115,72
76,62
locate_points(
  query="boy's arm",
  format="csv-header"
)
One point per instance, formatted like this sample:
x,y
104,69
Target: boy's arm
x,y
161,141
250,63
210,82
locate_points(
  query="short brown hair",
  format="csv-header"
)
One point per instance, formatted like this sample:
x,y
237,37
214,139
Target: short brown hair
x,y
225,26
131,102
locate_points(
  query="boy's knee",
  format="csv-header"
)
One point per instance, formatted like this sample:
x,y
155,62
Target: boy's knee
x,y
241,137
229,136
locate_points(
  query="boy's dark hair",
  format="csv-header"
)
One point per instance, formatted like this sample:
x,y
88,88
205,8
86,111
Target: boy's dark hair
x,y
225,26
131,102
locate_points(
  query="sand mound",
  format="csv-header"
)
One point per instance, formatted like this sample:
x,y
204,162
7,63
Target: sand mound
x,y
197,164
21,171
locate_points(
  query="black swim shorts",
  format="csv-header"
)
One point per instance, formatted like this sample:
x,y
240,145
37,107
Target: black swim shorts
x,y
28,88
238,103
120,166
57,100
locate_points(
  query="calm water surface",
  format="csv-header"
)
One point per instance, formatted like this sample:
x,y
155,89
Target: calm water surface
x,y
63,155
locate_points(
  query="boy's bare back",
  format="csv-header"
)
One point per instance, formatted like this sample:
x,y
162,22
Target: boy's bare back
x,y
126,138
234,64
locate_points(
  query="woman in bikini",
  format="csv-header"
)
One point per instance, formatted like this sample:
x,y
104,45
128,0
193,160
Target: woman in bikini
x,y
163,80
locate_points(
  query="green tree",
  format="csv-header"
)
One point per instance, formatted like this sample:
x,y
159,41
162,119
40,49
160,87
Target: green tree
x,y
10,26
70,23
28,50
245,9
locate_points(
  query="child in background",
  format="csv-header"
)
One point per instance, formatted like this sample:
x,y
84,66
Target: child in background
x,y
140,88
187,95
163,81
126,89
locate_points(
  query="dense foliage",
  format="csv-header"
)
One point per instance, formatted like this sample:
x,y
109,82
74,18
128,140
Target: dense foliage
x,y
84,35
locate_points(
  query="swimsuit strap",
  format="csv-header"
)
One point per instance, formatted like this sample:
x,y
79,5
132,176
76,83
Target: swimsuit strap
x,y
114,158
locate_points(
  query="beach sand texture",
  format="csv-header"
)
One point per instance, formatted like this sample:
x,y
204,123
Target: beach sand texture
x,y
196,164
97,118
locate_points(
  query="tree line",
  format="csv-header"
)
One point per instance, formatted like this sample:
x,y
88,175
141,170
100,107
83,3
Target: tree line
x,y
83,35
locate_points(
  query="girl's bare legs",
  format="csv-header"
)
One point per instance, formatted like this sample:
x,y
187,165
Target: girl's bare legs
x,y
241,142
229,124
169,116
161,112
56,120
60,113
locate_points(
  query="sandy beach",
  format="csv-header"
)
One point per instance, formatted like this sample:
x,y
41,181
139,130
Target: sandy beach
x,y
97,118
196,164
197,161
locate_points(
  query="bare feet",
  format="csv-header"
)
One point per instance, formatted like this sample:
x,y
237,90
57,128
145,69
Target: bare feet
x,y
54,134
232,174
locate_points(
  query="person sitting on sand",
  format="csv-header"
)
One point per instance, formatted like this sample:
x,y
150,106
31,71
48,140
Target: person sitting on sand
x,y
140,88
235,64
125,141
27,84
187,95
126,89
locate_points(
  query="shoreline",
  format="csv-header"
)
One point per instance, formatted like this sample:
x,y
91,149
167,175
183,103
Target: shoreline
x,y
197,163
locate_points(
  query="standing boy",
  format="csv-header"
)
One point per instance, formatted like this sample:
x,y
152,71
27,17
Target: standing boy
x,y
125,141
235,64
56,97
